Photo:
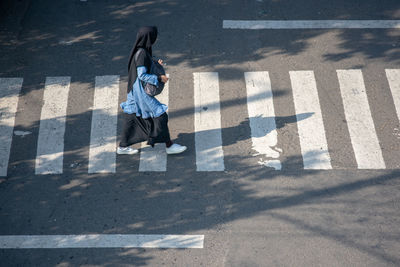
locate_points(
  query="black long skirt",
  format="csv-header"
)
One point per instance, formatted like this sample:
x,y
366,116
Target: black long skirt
x,y
136,129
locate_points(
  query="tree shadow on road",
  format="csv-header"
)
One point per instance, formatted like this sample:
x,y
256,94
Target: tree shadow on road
x,y
96,37
333,205
349,207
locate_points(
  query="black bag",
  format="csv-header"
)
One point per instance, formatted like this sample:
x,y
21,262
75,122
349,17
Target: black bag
x,y
157,70
151,89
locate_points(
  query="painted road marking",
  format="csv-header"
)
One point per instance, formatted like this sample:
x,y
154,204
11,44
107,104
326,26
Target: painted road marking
x,y
393,77
262,118
9,93
208,139
209,152
102,152
310,24
50,150
314,147
155,159
359,120
100,241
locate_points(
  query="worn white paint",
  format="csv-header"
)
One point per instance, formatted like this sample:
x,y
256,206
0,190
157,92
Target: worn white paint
x,y
314,147
100,241
102,152
359,120
393,77
261,110
9,92
155,158
50,149
208,139
310,24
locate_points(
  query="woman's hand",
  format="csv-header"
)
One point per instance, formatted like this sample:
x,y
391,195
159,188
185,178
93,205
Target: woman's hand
x,y
163,78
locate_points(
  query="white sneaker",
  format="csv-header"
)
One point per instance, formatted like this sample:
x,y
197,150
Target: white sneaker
x,y
126,150
175,149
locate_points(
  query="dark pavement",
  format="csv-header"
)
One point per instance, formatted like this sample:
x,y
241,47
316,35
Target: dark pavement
x,y
250,215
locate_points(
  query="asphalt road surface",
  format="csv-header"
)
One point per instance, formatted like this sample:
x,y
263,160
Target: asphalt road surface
x,y
293,135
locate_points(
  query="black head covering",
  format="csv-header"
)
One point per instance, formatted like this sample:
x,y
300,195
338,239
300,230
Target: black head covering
x,y
145,38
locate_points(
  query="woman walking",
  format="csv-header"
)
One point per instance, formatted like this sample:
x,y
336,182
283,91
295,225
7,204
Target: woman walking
x,y
145,118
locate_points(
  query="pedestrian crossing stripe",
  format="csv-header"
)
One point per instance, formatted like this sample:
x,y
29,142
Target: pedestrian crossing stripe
x,y
260,106
49,159
9,91
313,144
393,76
359,120
102,153
155,159
315,151
208,139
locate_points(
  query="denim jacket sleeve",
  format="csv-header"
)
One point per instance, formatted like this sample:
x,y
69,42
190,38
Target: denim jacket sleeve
x,y
145,77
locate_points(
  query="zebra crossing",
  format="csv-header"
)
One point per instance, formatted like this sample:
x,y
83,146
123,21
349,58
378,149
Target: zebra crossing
x,y
209,150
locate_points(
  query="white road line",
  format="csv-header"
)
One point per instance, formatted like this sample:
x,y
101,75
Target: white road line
x,y
310,24
209,153
262,118
50,150
102,153
9,92
393,77
100,241
155,158
314,147
359,120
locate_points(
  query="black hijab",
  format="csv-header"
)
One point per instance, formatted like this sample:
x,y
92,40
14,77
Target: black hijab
x,y
145,38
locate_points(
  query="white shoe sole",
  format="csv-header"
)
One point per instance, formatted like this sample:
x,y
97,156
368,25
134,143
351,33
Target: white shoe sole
x,y
177,151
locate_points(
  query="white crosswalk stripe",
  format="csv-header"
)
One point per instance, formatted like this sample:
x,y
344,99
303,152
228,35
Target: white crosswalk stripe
x,y
262,118
359,120
393,77
209,154
9,92
313,144
102,153
50,150
100,241
155,158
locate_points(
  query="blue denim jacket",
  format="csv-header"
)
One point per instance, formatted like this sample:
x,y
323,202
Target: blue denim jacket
x,y
139,102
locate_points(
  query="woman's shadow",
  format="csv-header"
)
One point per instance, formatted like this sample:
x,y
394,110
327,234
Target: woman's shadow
x,y
263,126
